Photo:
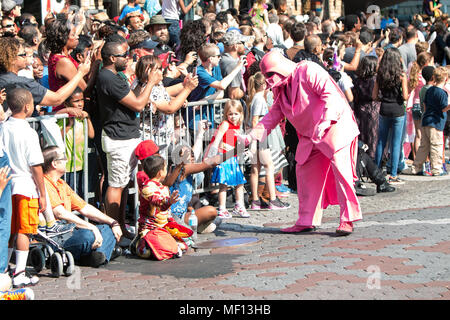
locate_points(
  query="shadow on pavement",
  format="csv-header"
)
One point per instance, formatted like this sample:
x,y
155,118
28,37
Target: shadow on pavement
x,y
187,266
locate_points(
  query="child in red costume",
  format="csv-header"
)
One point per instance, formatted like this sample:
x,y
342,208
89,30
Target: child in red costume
x,y
159,236
229,172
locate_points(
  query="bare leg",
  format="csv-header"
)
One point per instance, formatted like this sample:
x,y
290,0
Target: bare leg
x,y
240,194
222,196
254,178
115,206
266,160
204,215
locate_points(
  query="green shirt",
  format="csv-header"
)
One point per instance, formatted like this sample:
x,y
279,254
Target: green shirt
x,y
422,96
78,127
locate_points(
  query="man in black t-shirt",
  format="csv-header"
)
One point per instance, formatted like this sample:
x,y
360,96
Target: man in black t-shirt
x,y
120,110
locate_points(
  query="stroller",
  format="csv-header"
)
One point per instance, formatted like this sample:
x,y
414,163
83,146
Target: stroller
x,y
47,252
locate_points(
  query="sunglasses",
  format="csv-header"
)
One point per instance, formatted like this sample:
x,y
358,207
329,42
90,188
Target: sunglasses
x,y
123,55
8,26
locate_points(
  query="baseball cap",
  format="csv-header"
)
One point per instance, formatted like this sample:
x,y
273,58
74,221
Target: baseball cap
x,y
146,149
146,44
8,5
373,8
233,37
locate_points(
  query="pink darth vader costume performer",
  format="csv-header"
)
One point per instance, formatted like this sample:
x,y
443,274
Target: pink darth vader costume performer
x,y
307,96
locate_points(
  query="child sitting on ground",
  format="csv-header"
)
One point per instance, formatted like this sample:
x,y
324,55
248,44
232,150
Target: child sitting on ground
x,y
159,236
188,179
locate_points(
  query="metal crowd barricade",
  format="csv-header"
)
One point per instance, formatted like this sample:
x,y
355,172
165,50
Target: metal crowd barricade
x,y
166,137
163,136
35,123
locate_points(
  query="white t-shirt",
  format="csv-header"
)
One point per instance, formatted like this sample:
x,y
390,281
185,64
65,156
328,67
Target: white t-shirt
x,y
345,82
21,144
275,33
170,10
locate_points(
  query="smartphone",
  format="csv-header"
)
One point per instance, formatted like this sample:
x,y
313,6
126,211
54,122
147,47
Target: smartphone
x,y
194,72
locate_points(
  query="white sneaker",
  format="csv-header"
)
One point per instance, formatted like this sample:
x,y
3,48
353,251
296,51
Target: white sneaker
x,y
22,279
241,211
209,229
224,214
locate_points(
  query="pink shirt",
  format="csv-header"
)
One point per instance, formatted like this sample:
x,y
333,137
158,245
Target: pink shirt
x,y
420,84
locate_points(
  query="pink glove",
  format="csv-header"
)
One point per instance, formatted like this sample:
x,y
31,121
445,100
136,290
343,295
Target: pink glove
x,y
321,128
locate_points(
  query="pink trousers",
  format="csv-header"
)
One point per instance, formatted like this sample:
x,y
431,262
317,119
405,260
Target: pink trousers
x,y
322,181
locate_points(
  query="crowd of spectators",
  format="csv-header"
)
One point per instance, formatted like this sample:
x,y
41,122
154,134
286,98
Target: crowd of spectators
x,y
123,78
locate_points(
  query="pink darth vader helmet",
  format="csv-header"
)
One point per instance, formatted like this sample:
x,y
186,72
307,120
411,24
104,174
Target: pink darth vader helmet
x,y
276,68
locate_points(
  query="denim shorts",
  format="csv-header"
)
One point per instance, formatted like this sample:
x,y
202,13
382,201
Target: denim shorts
x,y
416,112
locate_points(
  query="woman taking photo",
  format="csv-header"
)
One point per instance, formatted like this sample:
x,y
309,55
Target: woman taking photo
x,y
12,59
391,88
61,39
164,102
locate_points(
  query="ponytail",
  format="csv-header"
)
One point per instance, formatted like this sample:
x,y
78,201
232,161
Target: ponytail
x,y
255,83
413,76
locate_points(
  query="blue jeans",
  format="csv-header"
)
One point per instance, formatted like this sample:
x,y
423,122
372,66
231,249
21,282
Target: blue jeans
x,y
174,32
401,161
80,243
395,143
5,218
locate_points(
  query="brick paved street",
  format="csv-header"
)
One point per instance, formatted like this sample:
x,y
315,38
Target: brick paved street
x,y
400,250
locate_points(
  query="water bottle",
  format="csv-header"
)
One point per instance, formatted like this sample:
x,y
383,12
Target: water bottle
x,y
193,223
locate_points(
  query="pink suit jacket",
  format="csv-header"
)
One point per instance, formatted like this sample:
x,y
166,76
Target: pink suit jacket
x,y
308,97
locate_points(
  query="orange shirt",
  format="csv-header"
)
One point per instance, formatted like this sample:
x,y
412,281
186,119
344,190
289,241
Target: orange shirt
x,y
60,193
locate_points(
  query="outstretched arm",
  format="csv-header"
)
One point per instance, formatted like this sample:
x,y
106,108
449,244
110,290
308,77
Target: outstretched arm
x,y
268,123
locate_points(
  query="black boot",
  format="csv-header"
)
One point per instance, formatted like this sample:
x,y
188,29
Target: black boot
x,y
385,187
362,190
